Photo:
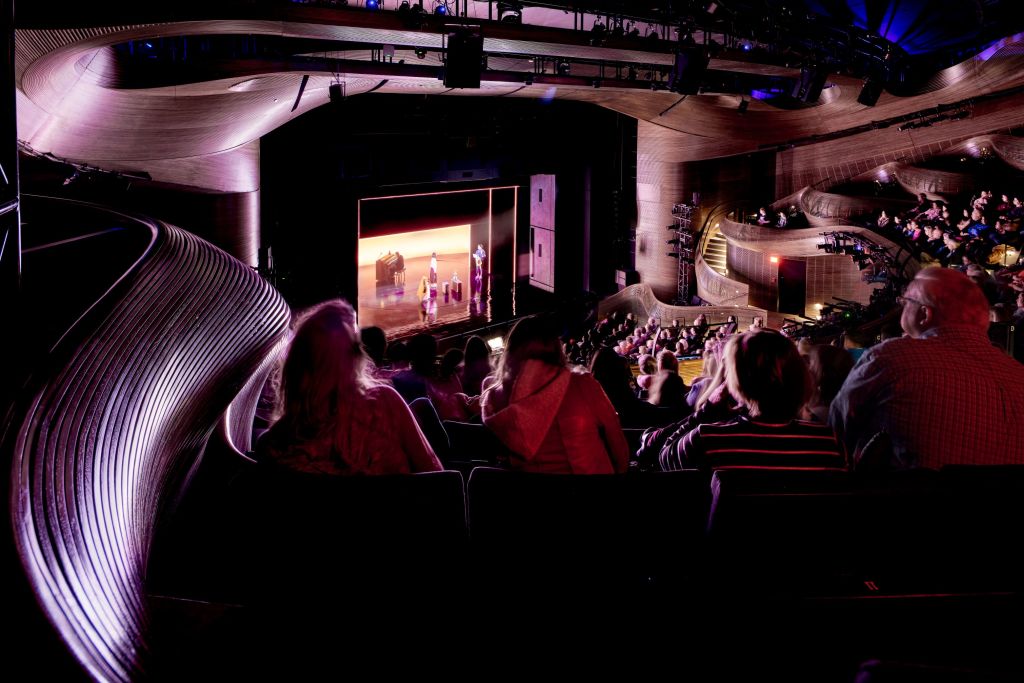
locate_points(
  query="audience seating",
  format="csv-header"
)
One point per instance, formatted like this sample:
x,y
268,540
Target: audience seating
x,y
473,444
564,532
831,531
279,535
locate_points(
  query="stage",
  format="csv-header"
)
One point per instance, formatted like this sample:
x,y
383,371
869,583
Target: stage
x,y
399,309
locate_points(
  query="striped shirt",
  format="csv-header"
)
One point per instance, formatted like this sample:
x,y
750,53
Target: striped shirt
x,y
745,442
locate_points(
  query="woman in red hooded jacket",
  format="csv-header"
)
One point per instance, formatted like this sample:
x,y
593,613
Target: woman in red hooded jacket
x,y
552,419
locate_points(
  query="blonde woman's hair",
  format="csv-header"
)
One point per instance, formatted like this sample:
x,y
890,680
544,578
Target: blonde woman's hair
x,y
324,370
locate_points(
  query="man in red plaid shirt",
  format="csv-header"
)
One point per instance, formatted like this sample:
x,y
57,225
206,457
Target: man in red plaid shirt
x,y
942,393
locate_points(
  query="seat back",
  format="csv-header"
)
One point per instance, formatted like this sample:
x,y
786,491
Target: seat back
x,y
821,530
294,533
575,531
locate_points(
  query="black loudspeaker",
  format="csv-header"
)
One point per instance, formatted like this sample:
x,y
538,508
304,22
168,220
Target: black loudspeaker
x,y
688,70
336,93
463,61
812,80
870,93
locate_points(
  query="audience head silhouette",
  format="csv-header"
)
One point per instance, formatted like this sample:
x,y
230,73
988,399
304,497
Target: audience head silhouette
x,y
324,367
765,373
532,338
939,297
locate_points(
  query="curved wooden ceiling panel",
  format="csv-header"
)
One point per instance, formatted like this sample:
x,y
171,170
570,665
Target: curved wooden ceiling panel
x,y
65,75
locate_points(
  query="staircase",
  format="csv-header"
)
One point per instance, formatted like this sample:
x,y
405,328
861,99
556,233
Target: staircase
x,y
715,254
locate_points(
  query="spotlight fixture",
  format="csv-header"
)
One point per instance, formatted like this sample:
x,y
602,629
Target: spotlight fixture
x,y
372,4
412,16
510,12
441,9
421,53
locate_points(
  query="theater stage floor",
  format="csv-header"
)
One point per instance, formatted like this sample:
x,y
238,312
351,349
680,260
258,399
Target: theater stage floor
x,y
398,310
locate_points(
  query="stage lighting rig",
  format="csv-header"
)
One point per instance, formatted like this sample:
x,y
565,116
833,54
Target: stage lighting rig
x,y
510,13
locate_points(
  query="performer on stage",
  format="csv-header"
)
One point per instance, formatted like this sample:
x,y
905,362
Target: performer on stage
x,y
399,269
423,291
433,268
478,259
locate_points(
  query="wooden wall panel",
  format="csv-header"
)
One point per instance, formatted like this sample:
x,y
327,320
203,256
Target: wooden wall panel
x,y
659,185
829,163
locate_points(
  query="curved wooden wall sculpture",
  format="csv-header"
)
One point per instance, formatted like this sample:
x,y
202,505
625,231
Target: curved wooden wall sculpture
x,y
641,302
799,242
111,432
235,426
936,185
717,289
1007,147
825,209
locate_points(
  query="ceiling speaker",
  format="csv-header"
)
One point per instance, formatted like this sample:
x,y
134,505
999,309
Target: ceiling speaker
x,y
463,60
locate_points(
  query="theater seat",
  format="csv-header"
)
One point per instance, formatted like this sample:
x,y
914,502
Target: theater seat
x,y
578,533
823,531
286,535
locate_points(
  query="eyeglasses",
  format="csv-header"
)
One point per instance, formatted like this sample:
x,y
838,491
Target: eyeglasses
x,y
902,300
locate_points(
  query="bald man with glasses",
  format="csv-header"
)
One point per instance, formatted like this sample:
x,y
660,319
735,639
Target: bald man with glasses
x,y
942,392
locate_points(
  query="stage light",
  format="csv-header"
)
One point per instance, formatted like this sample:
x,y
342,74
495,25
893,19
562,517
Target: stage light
x,y
510,12
496,343
335,93
421,53
773,259
372,4
562,67
441,9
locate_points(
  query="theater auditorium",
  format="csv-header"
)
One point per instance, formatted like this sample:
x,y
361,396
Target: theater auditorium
x,y
368,338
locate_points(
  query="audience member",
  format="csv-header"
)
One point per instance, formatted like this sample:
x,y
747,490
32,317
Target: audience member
x,y
476,365
829,367
552,420
943,393
413,382
332,417
767,376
